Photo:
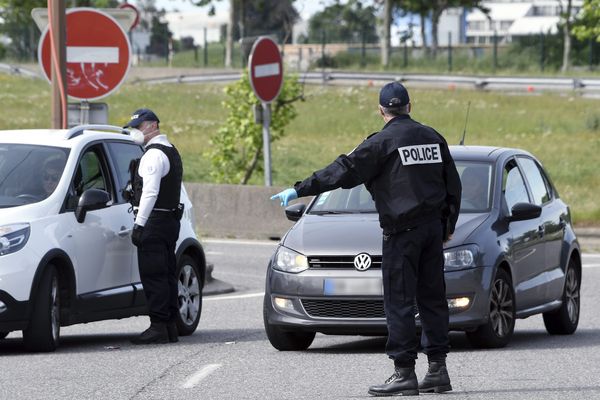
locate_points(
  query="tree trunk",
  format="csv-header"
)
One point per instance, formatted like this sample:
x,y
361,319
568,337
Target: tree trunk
x,y
385,39
252,166
567,39
435,20
229,40
423,32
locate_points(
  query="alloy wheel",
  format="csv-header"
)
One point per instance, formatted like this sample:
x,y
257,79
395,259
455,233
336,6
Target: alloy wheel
x,y
501,308
54,309
189,294
572,295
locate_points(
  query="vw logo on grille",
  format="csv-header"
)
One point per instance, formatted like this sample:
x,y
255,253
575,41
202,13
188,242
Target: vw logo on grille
x,y
362,262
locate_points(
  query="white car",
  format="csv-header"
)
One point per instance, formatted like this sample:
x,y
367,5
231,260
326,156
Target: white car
x,y
66,255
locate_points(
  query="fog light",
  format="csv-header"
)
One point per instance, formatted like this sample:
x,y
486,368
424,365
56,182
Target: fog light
x,y
459,303
2,307
283,303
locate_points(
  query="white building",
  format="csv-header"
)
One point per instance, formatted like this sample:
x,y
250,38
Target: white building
x,y
509,19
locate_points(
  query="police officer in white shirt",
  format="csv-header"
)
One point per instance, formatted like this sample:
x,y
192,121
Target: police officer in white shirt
x,y
156,190
408,169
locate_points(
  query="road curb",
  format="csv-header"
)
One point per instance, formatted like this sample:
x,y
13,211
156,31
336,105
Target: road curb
x,y
214,286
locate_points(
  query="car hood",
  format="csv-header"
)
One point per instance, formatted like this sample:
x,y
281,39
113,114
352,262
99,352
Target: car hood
x,y
350,234
25,213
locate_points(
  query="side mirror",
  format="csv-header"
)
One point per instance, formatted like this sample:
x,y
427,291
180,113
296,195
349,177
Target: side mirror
x,y
294,212
525,211
91,199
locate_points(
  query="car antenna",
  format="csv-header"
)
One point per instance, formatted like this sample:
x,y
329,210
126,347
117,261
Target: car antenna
x,y
462,141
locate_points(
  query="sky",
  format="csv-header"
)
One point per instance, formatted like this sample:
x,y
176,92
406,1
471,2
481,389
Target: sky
x,y
305,7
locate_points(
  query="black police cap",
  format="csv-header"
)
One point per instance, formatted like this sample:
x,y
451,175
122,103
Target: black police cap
x,y
141,115
393,94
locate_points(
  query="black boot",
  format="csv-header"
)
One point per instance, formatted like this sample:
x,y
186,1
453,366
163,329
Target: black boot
x,y
157,333
402,382
172,331
436,380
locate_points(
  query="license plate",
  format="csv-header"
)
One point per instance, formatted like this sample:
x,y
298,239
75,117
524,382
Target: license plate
x,y
350,286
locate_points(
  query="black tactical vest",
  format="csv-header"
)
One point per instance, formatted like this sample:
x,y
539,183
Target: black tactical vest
x,y
170,184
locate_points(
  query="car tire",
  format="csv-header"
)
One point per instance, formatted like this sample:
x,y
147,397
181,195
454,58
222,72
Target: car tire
x,y
189,284
3,335
499,329
284,340
43,332
565,319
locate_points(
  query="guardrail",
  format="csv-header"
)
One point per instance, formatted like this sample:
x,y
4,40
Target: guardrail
x,y
15,70
477,82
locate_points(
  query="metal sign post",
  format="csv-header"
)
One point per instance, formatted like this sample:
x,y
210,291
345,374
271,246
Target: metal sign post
x,y
266,78
266,120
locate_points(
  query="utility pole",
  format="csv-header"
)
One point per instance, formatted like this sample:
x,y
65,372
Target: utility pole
x,y
58,28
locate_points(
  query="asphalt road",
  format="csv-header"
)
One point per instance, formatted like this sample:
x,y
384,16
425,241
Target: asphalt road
x,y
229,356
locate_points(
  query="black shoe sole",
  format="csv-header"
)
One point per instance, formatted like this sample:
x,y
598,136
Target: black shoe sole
x,y
437,389
414,392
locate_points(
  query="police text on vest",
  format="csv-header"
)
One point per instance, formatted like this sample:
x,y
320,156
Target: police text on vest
x,y
420,154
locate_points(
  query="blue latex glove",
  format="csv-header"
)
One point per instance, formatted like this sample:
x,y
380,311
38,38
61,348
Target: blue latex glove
x,y
286,196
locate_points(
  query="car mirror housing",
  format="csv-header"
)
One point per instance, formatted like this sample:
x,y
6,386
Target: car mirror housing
x,y
91,199
294,212
525,211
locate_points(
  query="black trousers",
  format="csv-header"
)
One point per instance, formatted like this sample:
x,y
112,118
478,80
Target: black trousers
x,y
413,270
157,265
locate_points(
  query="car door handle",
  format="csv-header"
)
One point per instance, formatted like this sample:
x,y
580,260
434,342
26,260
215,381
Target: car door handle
x,y
124,232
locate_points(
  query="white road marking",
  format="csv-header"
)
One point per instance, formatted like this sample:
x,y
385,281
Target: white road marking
x,y
264,70
99,55
213,253
202,373
246,242
234,297
591,265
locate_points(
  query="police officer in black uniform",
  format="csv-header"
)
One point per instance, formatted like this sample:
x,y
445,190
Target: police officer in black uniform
x,y
156,191
409,171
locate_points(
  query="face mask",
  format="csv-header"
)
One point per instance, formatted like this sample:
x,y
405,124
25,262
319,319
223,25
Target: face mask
x,y
136,135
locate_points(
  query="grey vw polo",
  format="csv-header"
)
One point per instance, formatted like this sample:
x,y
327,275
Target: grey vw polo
x,y
514,254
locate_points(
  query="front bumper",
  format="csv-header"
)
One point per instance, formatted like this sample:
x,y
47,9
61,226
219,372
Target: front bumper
x,y
351,302
13,313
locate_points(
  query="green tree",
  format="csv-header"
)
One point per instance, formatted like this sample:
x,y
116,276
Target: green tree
x,y
587,25
237,146
160,35
348,22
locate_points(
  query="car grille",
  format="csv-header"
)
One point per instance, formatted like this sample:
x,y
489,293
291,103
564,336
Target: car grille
x,y
340,262
358,309
344,308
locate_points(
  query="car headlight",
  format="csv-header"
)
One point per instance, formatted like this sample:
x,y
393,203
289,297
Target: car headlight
x,y
287,260
460,257
13,238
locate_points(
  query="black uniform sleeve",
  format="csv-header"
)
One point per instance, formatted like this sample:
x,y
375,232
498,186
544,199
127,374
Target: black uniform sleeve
x,y
346,171
453,189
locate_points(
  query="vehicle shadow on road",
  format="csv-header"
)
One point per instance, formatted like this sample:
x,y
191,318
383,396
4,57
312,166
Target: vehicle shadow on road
x,y
95,342
522,339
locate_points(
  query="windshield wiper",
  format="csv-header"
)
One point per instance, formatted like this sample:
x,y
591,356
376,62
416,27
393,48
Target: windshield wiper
x,y
324,212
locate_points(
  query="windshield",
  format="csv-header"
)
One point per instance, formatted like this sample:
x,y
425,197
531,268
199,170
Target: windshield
x,y
476,195
29,173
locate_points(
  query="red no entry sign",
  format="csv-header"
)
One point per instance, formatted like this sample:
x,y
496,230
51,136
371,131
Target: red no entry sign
x,y
265,69
98,54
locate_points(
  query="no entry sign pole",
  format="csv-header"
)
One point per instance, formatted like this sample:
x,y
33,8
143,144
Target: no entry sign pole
x,y
267,142
265,69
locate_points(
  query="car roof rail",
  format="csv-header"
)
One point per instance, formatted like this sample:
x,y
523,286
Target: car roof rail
x,y
78,130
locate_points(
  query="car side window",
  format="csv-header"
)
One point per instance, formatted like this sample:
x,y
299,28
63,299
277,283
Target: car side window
x,y
537,183
513,185
121,155
89,174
